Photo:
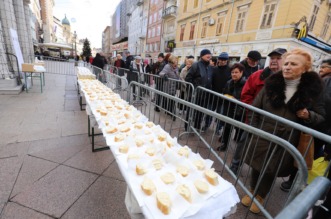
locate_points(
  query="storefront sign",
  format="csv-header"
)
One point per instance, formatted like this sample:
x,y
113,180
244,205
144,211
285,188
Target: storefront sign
x,y
188,43
120,46
202,42
316,43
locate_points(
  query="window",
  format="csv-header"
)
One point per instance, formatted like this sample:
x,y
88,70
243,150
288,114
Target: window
x,y
269,11
158,32
204,27
326,25
156,47
192,30
153,32
149,33
220,24
196,2
185,5
160,14
182,30
240,21
155,17
150,19
313,18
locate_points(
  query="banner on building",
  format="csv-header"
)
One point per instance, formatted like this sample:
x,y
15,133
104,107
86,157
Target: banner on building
x,y
16,47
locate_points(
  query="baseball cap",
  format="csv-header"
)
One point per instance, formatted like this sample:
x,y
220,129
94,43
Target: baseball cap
x,y
277,51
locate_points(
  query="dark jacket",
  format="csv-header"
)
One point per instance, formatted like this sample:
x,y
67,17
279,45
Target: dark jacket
x,y
234,89
200,74
128,61
326,125
248,69
272,99
157,67
120,64
98,61
221,75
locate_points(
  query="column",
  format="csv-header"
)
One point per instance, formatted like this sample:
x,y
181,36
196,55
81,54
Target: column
x,y
28,15
3,61
8,21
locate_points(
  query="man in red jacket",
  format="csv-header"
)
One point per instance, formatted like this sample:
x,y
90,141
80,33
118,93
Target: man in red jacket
x,y
252,87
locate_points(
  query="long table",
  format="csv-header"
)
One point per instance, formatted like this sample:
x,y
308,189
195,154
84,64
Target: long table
x,y
108,111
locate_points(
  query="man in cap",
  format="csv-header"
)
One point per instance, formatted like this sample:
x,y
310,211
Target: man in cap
x,y
251,63
221,74
200,74
252,87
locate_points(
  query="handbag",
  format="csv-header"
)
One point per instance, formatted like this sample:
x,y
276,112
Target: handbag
x,y
304,141
319,167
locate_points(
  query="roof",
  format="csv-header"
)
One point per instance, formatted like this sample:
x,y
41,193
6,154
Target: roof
x,y
65,20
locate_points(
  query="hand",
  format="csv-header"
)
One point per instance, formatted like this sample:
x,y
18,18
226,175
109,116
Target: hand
x,y
303,114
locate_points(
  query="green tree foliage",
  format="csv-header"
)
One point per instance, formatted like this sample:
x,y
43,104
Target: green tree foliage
x,y
86,48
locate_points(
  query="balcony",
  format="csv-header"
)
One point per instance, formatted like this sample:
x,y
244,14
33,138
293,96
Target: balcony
x,y
169,12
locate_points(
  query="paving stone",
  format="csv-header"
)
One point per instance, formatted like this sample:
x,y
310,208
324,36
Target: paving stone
x,y
32,132
59,154
57,191
14,149
15,211
9,169
94,162
113,171
104,199
32,169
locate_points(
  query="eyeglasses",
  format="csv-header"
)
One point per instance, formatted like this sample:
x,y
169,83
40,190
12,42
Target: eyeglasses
x,y
325,66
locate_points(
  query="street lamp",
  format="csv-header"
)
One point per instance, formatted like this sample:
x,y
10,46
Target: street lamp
x,y
75,37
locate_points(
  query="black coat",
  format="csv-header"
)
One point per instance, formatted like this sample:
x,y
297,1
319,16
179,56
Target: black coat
x,y
200,74
128,61
248,69
99,61
234,89
272,99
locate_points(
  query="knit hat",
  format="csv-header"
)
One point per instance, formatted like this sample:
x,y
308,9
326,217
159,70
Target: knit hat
x,y
190,57
205,52
255,55
161,55
224,56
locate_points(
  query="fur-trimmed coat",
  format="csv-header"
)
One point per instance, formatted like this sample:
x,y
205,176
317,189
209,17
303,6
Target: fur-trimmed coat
x,y
272,99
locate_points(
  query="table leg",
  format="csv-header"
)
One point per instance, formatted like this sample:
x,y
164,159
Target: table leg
x,y
26,84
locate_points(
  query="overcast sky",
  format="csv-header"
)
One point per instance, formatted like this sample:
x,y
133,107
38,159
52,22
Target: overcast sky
x,y
88,18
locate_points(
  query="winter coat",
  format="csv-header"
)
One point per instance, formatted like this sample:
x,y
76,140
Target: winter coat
x,y
120,64
248,69
200,74
325,127
134,71
128,61
98,61
254,85
234,89
157,67
272,99
169,72
147,70
221,75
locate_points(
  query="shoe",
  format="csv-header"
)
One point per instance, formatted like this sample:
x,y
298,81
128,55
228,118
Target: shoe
x,y
246,201
234,168
286,185
204,129
223,147
157,109
173,118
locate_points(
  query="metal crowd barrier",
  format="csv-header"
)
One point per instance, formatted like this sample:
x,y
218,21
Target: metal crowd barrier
x,y
248,137
118,84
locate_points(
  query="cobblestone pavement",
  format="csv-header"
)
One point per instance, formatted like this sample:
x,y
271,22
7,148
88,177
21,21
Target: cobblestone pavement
x,y
47,169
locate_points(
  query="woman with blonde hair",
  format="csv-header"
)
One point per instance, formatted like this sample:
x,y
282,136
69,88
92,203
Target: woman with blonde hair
x,y
170,70
294,94
183,88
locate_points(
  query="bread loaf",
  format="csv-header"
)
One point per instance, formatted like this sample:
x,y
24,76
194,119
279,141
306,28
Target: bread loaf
x,y
211,177
150,151
184,151
163,202
125,129
119,138
138,126
162,137
185,192
148,186
149,124
158,164
111,130
201,186
139,142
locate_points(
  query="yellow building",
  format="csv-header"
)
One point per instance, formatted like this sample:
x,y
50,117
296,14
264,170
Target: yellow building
x,y
238,26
